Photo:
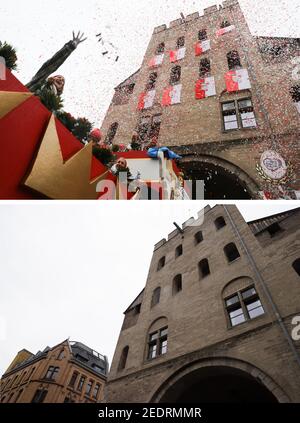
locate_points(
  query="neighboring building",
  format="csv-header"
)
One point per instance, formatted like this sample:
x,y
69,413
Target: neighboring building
x,y
231,97
214,322
68,372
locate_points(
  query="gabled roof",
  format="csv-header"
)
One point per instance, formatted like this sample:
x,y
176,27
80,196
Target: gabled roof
x,y
130,80
262,224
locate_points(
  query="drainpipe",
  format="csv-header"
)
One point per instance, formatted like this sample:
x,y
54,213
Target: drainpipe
x,y
264,286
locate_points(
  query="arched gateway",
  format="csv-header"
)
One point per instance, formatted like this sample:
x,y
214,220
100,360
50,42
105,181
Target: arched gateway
x,y
222,179
222,380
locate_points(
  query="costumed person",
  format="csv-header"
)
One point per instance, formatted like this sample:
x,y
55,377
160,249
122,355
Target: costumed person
x,y
135,144
95,136
54,63
120,166
56,84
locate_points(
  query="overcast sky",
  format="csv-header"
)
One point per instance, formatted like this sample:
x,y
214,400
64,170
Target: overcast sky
x,y
71,269
39,28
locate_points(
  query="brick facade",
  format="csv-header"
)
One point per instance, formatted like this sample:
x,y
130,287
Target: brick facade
x,y
200,335
30,380
195,128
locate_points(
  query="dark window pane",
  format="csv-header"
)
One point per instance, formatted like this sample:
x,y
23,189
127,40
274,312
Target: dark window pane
x,y
296,266
202,35
232,300
248,293
220,222
164,332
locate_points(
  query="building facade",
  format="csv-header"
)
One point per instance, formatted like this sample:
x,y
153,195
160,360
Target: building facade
x,y
216,321
227,101
70,372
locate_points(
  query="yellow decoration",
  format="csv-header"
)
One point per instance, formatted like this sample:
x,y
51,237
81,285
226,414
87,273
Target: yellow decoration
x,y
10,100
61,180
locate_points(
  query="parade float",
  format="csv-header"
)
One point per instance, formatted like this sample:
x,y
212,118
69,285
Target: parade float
x,y
41,159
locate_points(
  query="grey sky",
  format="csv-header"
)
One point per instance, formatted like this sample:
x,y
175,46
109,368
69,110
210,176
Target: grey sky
x,y
71,269
38,28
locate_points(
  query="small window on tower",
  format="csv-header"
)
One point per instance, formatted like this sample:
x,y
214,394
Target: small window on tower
x,y
202,35
204,269
231,252
177,284
295,93
229,116
180,42
233,60
155,297
175,75
151,82
112,132
178,251
204,69
274,229
161,263
225,24
160,48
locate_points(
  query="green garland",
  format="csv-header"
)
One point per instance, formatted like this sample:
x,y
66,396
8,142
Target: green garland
x,y
10,55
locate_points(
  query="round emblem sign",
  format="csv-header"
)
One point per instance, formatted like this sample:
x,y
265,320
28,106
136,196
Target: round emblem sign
x,y
273,164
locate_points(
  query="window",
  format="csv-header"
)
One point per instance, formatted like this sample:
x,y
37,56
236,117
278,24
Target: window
x,y
10,397
203,268
180,42
123,359
296,266
160,48
155,297
161,263
73,379
175,75
178,251
81,383
96,390
273,51
231,252
238,114
51,373
177,284
151,82
88,388
220,222
295,93
233,60
149,128
198,237
274,229
18,395
112,132
158,343
204,68
202,35
97,368
137,309
122,94
68,400
246,113
244,305
39,396
61,355
225,24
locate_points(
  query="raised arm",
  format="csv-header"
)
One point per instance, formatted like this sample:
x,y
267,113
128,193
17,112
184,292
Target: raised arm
x,y
55,62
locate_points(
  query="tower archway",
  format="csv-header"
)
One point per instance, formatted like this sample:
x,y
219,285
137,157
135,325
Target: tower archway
x,y
222,179
222,380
